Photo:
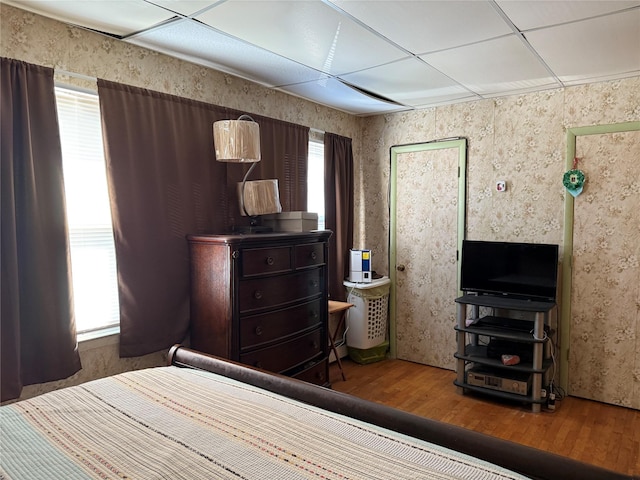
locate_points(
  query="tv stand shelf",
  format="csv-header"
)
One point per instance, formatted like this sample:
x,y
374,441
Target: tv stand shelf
x,y
478,354
527,334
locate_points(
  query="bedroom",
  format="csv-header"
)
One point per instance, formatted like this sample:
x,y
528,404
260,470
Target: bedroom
x,y
491,125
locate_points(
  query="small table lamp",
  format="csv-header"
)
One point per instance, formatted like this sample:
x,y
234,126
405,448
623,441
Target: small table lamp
x,y
238,141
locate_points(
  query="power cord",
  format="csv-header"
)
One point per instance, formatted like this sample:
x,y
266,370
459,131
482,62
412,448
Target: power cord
x,y
554,392
343,340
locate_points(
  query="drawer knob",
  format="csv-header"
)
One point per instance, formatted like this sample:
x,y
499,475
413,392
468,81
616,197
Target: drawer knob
x,y
257,295
257,364
313,255
270,261
258,330
313,314
314,345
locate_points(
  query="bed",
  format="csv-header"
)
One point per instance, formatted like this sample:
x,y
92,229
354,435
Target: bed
x,y
203,417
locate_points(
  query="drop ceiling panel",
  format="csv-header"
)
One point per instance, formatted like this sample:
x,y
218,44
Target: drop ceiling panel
x,y
309,32
121,18
591,49
493,67
332,92
423,27
184,7
410,81
470,46
528,15
190,40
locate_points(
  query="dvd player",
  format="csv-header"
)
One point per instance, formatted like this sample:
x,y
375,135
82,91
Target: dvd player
x,y
504,381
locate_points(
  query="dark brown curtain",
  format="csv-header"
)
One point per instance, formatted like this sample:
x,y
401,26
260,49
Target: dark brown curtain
x,y
165,183
37,326
338,204
285,152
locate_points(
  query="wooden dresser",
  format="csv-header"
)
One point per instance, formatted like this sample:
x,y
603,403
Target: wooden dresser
x,y
262,300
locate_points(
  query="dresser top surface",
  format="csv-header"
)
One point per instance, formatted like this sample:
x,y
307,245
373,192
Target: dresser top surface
x,y
255,238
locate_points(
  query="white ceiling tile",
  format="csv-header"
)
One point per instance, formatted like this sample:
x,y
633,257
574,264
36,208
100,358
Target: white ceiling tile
x,y
330,91
428,26
308,32
590,49
195,42
411,82
500,65
184,7
117,18
535,14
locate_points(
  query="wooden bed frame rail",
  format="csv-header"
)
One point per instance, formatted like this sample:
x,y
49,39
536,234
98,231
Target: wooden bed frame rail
x,y
531,462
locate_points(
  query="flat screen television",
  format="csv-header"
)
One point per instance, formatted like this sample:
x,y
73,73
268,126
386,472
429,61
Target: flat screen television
x,y
518,270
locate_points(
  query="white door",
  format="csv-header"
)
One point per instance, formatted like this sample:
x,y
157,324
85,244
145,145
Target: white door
x,y
426,229
604,343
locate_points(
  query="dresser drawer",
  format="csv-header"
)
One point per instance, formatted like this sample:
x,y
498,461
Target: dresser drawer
x,y
309,255
262,261
261,293
257,330
286,355
317,373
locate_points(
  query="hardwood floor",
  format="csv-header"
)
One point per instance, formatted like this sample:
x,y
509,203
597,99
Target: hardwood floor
x,y
588,431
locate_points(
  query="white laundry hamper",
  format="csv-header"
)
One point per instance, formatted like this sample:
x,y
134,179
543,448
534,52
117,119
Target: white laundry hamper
x,y
367,320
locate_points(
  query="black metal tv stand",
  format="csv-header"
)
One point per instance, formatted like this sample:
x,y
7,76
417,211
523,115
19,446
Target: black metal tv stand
x,y
472,355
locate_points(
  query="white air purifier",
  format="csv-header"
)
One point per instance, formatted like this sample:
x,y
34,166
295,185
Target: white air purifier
x,y
360,266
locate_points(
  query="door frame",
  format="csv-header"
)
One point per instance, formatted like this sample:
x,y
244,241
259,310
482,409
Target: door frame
x,y
567,242
456,142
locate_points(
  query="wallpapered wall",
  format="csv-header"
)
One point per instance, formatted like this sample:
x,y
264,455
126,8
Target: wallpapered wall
x,y
520,139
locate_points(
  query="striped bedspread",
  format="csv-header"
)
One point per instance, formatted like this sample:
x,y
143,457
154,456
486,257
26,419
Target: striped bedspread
x,y
175,423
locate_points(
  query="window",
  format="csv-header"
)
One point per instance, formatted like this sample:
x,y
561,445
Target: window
x,y
93,260
315,181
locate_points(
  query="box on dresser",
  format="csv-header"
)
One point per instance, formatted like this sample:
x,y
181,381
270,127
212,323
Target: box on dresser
x,y
262,300
291,221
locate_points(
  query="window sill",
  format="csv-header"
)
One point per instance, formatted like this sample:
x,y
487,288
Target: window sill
x,y
99,338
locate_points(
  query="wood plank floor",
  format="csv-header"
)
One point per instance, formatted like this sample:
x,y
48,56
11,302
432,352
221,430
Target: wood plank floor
x,y
591,432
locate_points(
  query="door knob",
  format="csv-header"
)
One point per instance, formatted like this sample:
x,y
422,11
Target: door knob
x,y
400,268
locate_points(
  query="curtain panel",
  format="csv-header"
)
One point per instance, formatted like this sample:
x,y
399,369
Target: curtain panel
x,y
338,184
285,152
164,183
37,325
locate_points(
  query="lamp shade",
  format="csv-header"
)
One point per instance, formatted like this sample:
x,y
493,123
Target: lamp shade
x,y
236,141
259,197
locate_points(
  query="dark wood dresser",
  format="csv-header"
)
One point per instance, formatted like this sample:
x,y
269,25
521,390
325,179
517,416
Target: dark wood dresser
x,y
262,300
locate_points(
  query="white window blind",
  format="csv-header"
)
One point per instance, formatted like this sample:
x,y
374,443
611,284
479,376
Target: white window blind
x,y
93,260
315,181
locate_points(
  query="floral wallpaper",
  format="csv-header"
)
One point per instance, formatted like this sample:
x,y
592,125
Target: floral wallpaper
x,y
520,139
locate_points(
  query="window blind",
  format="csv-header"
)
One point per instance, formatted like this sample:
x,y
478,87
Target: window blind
x,y
93,260
315,181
